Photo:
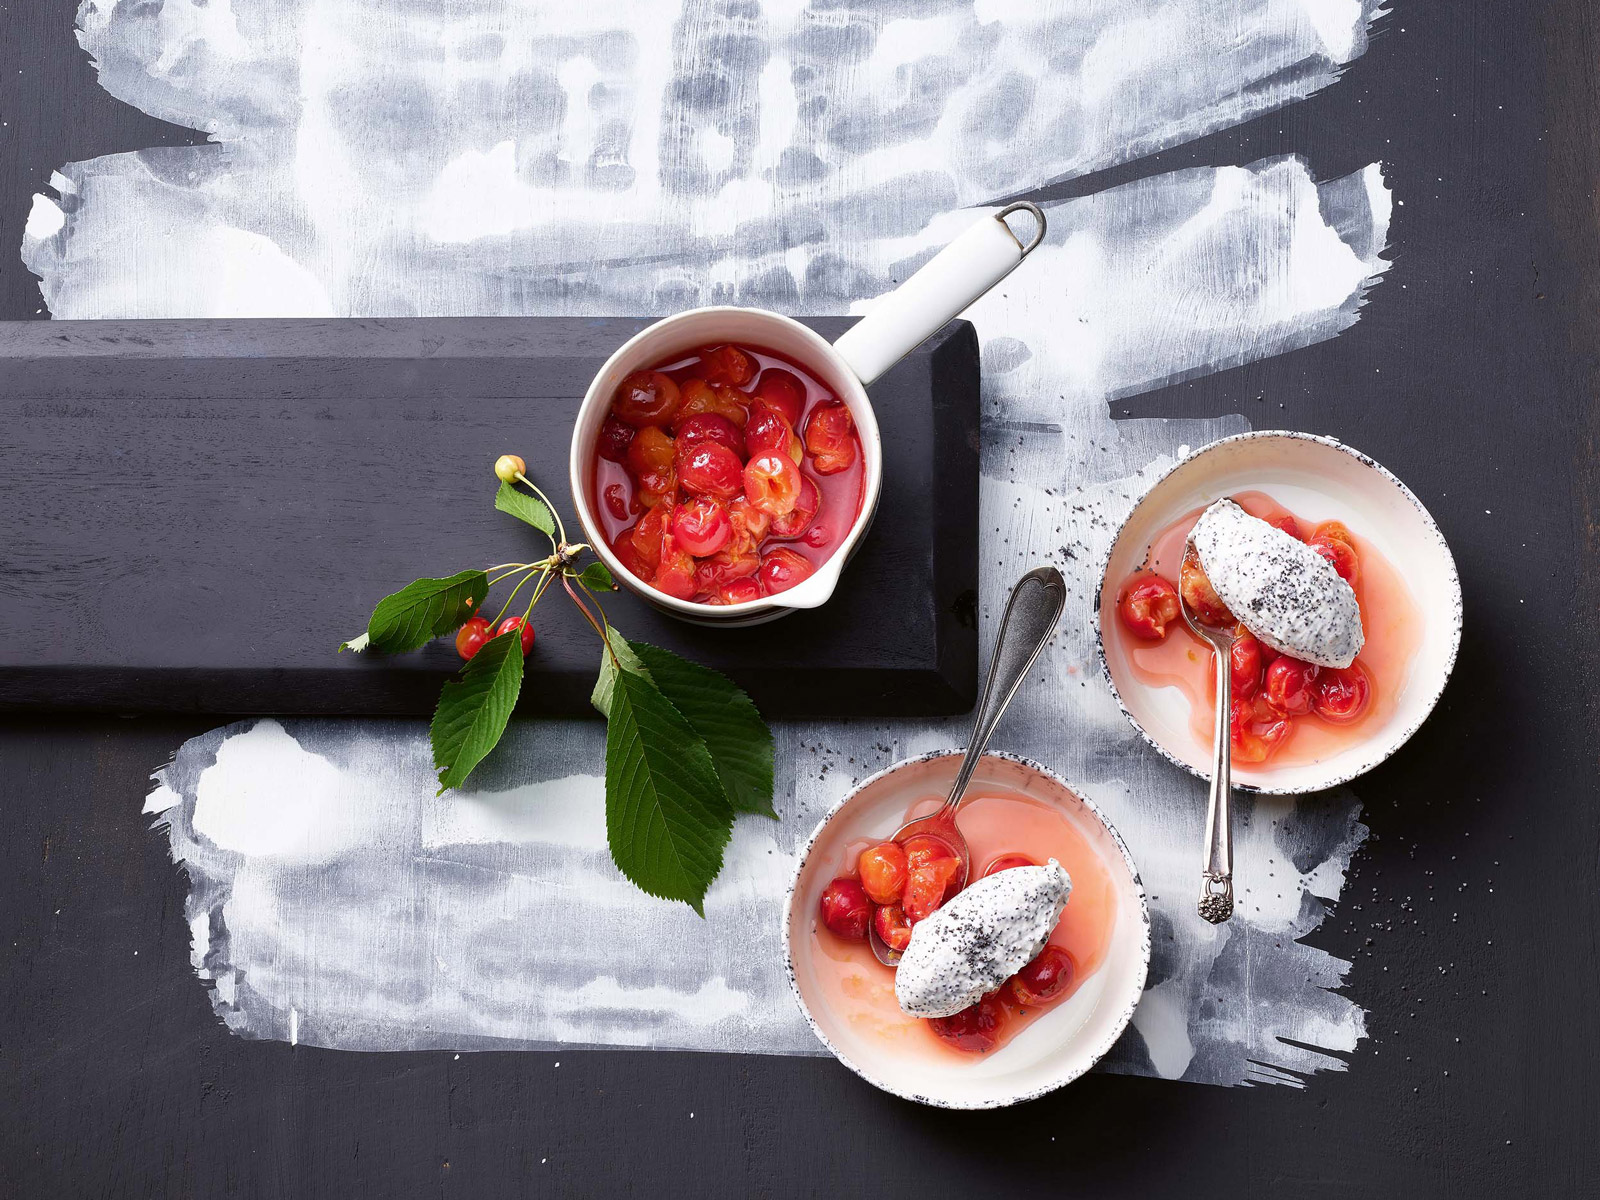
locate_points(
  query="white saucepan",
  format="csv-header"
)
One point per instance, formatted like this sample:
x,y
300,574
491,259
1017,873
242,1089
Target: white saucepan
x,y
949,282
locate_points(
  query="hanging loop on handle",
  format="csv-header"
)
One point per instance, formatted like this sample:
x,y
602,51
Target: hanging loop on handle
x,y
1029,246
942,288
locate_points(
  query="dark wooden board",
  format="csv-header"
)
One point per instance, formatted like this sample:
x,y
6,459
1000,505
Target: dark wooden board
x,y
198,513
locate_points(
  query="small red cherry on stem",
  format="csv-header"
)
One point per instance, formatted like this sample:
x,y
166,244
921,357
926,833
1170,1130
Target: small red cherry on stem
x,y
471,637
646,398
1289,684
1341,695
514,623
883,872
846,909
1244,661
727,364
892,926
974,1029
831,438
782,392
772,483
711,427
1148,605
1006,862
710,469
1046,977
701,526
781,570
615,438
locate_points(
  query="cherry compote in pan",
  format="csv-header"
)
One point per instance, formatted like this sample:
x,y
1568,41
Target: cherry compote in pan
x,y
726,474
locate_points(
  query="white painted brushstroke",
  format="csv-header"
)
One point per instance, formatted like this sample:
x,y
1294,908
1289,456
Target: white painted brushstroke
x,y
45,219
479,159
328,881
496,157
1152,282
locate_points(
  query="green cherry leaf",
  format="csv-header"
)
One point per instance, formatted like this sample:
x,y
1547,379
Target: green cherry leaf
x,y
422,610
473,709
525,508
667,819
607,681
596,578
738,739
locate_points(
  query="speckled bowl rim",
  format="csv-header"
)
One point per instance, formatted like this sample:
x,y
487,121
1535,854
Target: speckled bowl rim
x,y
1099,1051
1432,526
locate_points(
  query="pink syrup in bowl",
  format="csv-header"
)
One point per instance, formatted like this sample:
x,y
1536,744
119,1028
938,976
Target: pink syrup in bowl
x,y
996,822
1390,617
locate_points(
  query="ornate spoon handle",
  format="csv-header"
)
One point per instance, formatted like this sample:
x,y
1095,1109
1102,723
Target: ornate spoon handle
x,y
1216,880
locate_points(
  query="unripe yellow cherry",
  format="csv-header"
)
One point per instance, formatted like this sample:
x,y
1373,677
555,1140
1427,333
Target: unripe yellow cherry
x,y
508,466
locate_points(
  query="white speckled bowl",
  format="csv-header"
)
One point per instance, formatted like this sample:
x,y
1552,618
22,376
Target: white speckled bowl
x,y
1054,1048
1320,479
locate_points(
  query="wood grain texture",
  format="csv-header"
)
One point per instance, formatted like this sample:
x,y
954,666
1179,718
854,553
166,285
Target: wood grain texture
x,y
201,511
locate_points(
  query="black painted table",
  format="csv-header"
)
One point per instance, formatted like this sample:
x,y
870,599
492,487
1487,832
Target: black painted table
x,y
1472,913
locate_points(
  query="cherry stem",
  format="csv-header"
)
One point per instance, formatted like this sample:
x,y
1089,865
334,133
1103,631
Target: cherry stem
x,y
561,529
513,596
566,582
515,568
538,591
590,592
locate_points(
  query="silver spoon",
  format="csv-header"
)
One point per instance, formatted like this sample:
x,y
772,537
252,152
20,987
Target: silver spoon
x,y
1030,618
1216,876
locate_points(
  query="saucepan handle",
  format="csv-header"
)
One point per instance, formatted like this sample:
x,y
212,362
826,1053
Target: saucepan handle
x,y
941,289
